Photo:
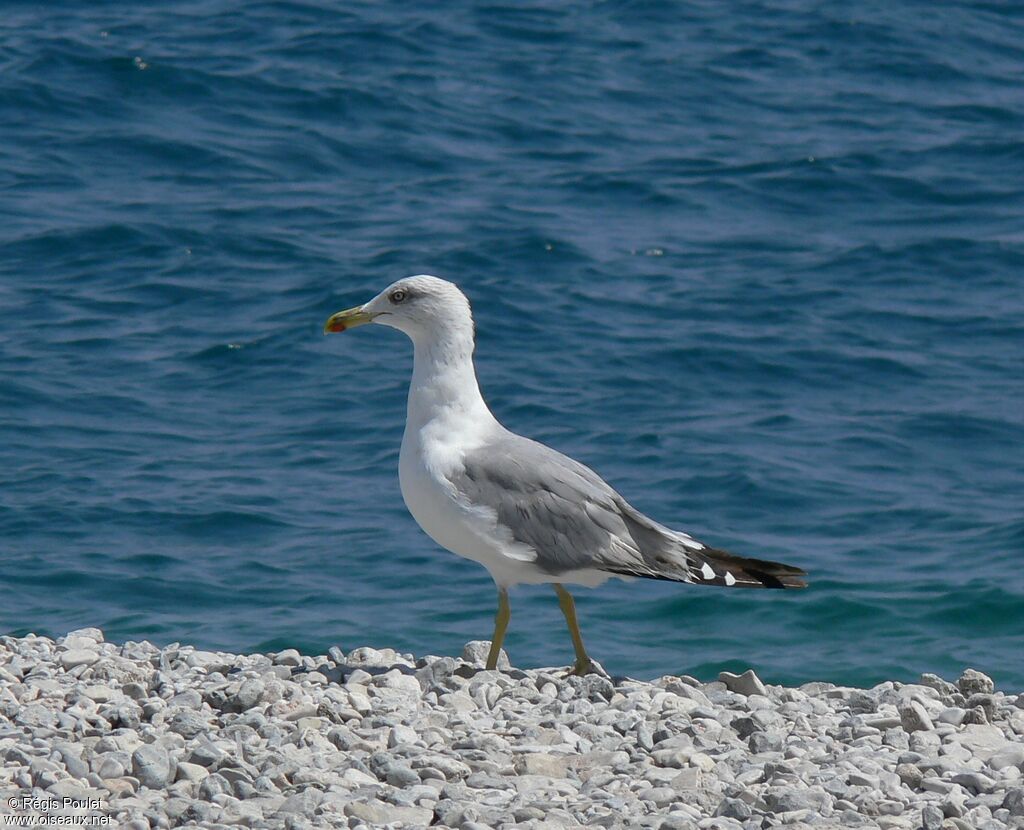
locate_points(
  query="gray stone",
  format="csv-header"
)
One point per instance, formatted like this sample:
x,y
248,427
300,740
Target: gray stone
x,y
972,682
745,726
687,779
982,739
680,822
974,781
860,779
263,745
766,742
452,813
747,683
191,772
304,802
851,818
36,716
915,717
288,657
476,651
127,716
952,715
924,743
787,800
365,656
734,808
71,789
953,804
76,767
451,768
98,693
910,775
93,635
189,699
596,687
1012,755
206,755
936,785
943,687
541,763
111,767
78,657
152,766
402,736
1014,801
484,781
436,672
205,660
248,695
670,758
396,679
401,776
931,817
660,796
985,702
188,723
644,736
379,813
977,714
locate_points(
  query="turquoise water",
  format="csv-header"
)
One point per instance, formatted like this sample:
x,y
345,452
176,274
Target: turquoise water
x,y
760,265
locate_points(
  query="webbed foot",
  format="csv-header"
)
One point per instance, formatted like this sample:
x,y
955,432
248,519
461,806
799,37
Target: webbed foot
x,y
581,668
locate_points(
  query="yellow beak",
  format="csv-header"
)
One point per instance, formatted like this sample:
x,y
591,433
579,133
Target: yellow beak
x,y
348,319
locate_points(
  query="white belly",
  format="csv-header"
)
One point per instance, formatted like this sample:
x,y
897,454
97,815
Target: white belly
x,y
446,422
424,471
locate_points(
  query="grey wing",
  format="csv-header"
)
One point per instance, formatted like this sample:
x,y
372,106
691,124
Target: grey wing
x,y
574,520
569,515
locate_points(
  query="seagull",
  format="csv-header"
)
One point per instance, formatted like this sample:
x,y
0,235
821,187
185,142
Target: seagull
x,y
526,512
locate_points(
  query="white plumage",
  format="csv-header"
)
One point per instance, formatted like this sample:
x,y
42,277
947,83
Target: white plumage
x,y
524,511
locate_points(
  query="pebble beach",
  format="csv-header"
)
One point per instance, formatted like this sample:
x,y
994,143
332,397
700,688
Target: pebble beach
x,y
135,736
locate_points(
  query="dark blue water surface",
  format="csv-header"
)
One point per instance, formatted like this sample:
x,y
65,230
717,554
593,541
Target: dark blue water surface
x,y
758,264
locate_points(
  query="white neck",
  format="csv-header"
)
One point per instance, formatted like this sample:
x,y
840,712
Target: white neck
x,y
444,384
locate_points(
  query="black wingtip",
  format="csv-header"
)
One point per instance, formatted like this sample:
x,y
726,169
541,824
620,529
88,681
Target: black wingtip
x,y
785,581
733,571
774,574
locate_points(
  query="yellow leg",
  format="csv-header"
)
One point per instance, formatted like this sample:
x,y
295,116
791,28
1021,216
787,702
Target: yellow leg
x,y
500,625
565,602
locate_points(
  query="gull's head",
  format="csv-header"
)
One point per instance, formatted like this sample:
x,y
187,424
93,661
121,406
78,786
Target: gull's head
x,y
424,307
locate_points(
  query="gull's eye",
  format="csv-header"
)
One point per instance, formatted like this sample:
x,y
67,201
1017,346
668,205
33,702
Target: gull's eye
x,y
398,296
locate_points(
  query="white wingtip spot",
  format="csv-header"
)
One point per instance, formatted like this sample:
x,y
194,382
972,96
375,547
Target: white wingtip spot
x,y
707,571
729,579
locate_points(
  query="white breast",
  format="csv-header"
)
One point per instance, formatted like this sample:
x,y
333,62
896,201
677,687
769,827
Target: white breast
x,y
446,419
429,459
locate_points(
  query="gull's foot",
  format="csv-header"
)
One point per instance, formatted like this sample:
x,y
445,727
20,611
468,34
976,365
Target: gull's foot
x,y
584,667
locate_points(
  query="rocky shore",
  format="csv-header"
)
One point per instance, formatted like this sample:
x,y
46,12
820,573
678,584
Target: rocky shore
x,y
134,736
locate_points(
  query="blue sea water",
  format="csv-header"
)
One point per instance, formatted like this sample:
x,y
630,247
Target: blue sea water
x,y
759,264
